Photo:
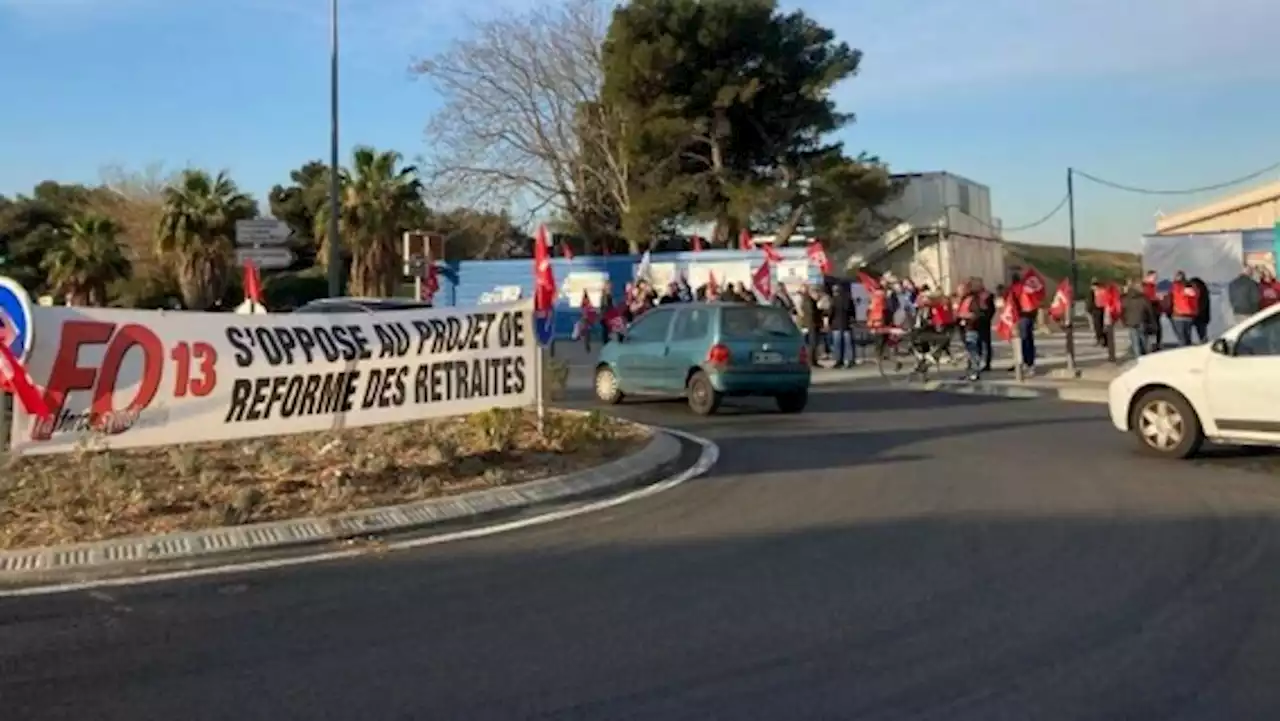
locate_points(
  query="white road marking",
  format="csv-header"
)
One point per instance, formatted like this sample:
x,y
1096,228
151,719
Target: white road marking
x,y
710,454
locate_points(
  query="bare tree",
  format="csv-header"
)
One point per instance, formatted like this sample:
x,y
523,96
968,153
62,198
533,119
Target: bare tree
x,y
133,198
522,123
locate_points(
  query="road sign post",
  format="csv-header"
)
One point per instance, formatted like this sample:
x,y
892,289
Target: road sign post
x,y
262,232
266,258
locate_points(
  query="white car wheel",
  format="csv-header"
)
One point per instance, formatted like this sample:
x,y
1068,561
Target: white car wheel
x,y
1161,425
607,386
1166,425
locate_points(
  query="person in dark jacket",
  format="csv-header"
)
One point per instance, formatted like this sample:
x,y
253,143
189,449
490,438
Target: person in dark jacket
x,y
984,319
606,311
1245,295
811,319
1139,317
1095,303
1201,323
841,316
782,299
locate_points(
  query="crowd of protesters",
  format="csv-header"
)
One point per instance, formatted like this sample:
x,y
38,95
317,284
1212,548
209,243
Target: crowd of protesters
x,y
1142,308
836,322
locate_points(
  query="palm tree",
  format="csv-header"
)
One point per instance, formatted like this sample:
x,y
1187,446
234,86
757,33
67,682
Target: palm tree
x,y
88,258
197,233
380,199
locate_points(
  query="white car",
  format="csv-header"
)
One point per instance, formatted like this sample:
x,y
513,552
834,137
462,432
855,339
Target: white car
x,y
1226,392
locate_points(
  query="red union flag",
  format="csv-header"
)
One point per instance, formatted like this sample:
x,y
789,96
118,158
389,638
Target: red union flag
x,y
1007,320
1034,286
14,377
430,283
1061,304
544,280
818,256
762,279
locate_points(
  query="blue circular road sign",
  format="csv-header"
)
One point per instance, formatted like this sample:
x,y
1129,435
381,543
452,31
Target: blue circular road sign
x,y
544,323
16,326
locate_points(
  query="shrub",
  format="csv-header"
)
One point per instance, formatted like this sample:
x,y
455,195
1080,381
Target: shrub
x,y
498,428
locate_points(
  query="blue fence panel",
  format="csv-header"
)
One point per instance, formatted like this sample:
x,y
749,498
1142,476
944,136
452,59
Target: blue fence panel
x,y
470,282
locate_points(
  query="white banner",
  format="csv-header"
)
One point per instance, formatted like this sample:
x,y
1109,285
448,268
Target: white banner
x,y
662,275
577,282
725,272
123,379
794,274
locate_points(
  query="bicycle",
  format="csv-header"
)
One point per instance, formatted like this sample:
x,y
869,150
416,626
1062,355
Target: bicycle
x,y
908,352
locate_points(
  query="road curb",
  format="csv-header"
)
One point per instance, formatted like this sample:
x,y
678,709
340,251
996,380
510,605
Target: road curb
x,y
649,463
1023,392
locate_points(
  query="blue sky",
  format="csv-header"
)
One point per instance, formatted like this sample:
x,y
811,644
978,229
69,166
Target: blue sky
x,y
1151,93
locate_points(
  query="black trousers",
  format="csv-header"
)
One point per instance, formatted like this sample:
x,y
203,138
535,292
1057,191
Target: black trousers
x,y
1099,331
984,344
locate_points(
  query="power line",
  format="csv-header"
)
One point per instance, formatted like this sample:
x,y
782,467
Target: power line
x,y
1188,191
1019,228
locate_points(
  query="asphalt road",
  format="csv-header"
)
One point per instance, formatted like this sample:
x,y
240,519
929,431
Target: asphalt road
x,y
887,555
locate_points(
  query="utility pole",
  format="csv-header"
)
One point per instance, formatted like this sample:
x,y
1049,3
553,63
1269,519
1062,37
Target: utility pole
x,y
335,187
1075,274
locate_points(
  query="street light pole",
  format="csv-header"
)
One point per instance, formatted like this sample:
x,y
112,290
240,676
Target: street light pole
x,y
335,188
1070,315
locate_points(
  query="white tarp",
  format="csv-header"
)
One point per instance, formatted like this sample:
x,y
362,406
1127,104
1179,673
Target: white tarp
x,y
1215,258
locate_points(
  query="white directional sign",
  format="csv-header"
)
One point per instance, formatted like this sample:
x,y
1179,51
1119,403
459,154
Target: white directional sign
x,y
265,258
262,231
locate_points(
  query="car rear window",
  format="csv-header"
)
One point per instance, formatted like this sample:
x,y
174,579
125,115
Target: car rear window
x,y
742,323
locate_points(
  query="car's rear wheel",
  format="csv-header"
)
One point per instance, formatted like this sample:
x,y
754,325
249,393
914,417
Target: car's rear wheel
x,y
704,399
606,384
1166,425
793,402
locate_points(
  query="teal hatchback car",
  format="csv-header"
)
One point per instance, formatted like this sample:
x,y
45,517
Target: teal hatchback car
x,y
707,352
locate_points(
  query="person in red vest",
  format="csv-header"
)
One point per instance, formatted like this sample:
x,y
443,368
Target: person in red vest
x,y
944,322
970,318
1268,289
1185,306
1028,300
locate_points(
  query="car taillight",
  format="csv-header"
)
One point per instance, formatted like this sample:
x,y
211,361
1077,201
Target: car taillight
x,y
718,355
804,356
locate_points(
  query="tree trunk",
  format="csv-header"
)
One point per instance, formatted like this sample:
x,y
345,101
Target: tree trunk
x,y
788,226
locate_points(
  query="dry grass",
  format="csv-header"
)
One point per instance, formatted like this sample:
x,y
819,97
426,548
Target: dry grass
x,y
92,495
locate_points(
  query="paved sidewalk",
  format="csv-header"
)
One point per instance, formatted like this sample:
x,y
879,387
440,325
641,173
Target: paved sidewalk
x,y
1076,391
647,465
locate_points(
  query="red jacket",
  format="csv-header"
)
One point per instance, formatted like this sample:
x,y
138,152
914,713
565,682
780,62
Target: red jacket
x,y
1270,291
1186,300
942,314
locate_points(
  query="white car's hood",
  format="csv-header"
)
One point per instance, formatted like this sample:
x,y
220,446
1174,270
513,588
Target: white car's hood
x,y
1176,358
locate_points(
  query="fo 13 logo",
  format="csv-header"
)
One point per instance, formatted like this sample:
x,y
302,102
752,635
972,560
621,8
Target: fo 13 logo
x,y
195,372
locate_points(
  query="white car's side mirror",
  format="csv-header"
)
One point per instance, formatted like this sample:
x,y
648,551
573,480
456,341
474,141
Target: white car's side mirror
x,y
1221,346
